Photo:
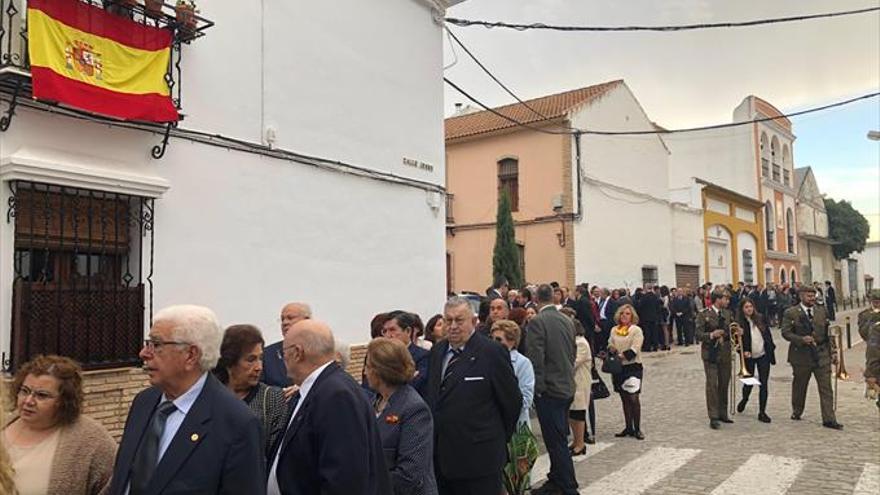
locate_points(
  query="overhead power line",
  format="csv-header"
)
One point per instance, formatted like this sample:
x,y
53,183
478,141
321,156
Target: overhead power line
x,y
682,27
575,131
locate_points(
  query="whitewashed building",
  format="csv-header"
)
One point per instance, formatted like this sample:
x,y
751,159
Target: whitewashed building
x,y
309,167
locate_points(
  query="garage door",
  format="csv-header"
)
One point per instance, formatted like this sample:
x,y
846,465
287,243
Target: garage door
x,y
687,275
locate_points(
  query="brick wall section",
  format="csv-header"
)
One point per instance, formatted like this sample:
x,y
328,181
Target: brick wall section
x,y
569,167
356,364
108,395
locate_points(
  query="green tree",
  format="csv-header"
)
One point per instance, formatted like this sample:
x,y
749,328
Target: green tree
x,y
505,259
847,227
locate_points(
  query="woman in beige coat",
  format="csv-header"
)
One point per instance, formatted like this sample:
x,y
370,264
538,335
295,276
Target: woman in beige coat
x,y
583,381
54,449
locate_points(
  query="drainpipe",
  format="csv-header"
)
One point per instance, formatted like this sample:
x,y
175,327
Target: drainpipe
x,y
577,157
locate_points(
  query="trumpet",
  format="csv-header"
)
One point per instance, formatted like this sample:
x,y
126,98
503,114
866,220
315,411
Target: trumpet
x,y
737,355
837,350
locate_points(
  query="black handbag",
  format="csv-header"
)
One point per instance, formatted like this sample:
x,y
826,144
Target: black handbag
x,y
612,364
598,390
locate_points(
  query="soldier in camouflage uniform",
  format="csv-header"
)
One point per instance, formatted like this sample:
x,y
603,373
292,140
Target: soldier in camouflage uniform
x,y
806,327
714,335
869,329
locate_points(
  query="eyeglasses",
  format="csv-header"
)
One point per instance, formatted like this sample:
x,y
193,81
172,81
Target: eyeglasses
x,y
280,352
39,395
155,345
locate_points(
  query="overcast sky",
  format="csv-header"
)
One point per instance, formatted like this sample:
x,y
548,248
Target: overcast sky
x,y
697,78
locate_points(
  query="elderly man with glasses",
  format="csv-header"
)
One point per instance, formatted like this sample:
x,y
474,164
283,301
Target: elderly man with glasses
x,y
274,372
187,433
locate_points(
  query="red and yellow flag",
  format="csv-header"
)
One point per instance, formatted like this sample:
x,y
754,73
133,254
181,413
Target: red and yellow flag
x,y
87,58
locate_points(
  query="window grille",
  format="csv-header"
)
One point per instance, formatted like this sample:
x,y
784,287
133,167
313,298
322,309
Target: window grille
x,y
508,181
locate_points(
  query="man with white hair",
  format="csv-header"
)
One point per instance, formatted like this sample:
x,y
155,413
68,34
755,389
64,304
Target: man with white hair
x,y
187,433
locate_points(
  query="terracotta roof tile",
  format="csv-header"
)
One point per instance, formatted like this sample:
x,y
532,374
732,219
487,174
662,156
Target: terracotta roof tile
x,y
551,107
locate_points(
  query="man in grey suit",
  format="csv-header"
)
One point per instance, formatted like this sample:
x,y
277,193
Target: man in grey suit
x,y
551,348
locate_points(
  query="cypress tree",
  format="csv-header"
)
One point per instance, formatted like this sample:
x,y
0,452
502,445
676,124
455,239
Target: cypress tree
x,y
505,259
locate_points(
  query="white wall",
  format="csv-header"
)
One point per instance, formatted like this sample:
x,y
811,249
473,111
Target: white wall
x,y
627,217
242,233
725,157
869,260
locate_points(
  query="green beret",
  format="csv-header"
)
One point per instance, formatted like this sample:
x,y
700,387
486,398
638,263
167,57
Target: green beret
x,y
874,294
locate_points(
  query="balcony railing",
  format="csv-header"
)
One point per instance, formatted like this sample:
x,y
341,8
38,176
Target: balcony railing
x,y
765,167
776,169
15,75
786,177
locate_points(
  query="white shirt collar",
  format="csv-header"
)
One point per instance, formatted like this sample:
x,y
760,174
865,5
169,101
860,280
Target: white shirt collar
x,y
310,380
188,398
805,308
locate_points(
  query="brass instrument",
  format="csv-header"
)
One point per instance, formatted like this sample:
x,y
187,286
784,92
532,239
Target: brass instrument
x,y
840,373
737,355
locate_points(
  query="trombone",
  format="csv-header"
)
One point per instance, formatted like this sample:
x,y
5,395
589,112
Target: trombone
x,y
837,350
737,356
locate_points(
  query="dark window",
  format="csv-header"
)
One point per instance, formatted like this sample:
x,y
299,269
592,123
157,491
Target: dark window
x,y
521,250
748,267
765,167
649,275
82,262
508,180
789,230
770,225
786,177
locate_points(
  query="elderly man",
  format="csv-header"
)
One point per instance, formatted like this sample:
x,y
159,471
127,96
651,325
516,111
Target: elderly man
x,y
475,398
187,433
331,445
498,310
401,326
274,372
551,348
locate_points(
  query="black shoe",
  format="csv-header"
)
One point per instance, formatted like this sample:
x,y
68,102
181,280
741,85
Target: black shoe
x,y
625,433
741,406
589,440
762,417
834,425
638,435
726,420
795,417
574,453
714,424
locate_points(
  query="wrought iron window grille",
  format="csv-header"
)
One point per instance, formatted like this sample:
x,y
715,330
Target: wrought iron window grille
x,y
15,75
83,266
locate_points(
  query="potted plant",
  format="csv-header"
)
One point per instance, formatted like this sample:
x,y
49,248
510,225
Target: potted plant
x,y
153,8
186,15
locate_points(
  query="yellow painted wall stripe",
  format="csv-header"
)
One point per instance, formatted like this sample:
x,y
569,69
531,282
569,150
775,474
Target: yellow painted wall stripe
x,y
125,69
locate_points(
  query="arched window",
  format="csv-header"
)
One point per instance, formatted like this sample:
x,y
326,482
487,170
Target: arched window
x,y
782,275
765,155
793,276
786,166
789,230
769,225
508,180
775,156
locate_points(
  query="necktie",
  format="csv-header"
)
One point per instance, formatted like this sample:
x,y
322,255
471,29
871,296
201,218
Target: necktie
x,y
810,313
148,453
454,359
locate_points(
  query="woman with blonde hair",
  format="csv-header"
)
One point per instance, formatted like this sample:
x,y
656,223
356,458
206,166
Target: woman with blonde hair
x,y
626,343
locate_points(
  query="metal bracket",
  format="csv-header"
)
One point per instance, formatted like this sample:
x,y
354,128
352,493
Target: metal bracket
x,y
6,120
158,150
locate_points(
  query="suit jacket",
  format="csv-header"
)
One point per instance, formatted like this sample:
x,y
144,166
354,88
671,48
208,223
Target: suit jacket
x,y
795,326
274,369
217,448
769,346
610,309
650,307
583,308
407,432
422,359
475,408
830,296
551,349
708,321
332,447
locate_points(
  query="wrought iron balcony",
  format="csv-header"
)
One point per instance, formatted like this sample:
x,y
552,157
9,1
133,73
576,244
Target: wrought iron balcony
x,y
15,74
450,201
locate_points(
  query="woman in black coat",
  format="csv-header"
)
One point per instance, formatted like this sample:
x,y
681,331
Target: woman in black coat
x,y
759,351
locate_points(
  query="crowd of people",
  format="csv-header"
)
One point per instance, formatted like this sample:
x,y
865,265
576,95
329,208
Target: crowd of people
x,y
439,408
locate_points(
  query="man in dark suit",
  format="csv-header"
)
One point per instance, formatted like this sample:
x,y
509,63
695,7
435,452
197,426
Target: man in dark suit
x,y
331,445
274,372
499,288
583,308
830,300
498,310
187,433
551,349
806,327
401,326
475,398
649,307
607,307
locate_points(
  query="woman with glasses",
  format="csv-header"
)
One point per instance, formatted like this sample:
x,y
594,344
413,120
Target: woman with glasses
x,y
55,449
239,368
507,332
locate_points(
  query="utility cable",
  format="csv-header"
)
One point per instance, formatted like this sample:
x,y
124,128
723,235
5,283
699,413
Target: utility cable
x,y
574,131
682,27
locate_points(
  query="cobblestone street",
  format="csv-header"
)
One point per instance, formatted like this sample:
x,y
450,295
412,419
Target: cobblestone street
x,y
682,455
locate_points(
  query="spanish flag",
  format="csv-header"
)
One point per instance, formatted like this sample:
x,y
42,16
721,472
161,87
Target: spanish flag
x,y
87,58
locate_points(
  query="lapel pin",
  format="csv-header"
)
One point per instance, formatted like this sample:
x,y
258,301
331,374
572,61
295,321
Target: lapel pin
x,y
194,437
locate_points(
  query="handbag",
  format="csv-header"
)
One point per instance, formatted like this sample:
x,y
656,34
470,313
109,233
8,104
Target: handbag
x,y
598,390
612,364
